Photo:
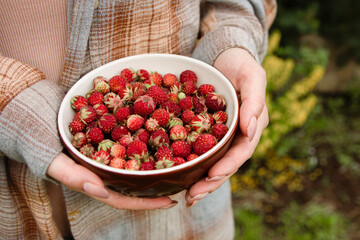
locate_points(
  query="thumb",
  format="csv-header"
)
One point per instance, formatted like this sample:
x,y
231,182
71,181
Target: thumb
x,y
76,177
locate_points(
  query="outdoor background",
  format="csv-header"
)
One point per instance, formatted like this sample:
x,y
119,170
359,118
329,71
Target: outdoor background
x,y
303,181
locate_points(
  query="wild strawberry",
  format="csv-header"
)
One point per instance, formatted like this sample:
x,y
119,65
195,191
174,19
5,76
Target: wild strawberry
x,y
118,132
117,150
132,165
125,140
174,122
137,150
163,153
141,135
122,114
126,93
178,132
219,130
169,79
87,150
148,165
101,86
204,143
187,115
164,163
76,126
117,162
188,128
188,75
144,106
142,74
116,83
215,102
101,157
191,157
91,125
94,135
128,74
192,136
162,116
158,137
112,101
200,123
173,97
76,117
78,102
87,114
99,79
186,103
175,87
95,98
172,108
178,161
139,90
105,145
158,95
156,78
100,109
151,125
188,88
134,122
199,104
78,140
220,116
181,148
107,122
205,89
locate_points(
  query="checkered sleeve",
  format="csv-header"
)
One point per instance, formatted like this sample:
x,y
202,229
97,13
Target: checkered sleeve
x,y
234,23
28,111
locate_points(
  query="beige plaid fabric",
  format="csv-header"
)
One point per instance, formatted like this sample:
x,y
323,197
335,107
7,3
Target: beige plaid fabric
x,y
99,34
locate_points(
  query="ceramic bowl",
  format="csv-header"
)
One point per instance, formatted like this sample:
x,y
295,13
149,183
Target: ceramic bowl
x,y
161,182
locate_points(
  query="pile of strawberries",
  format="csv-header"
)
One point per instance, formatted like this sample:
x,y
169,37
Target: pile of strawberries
x,y
141,120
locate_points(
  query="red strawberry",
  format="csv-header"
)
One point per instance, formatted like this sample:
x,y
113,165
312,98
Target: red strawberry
x,y
186,103
169,79
178,132
148,165
128,74
139,90
142,74
158,137
137,150
175,87
141,135
126,93
156,78
158,95
200,123
192,136
95,98
117,150
188,75
117,162
87,114
178,161
100,109
112,101
215,102
164,153
78,140
122,114
219,130
101,157
205,89
220,117
188,88
191,157
107,122
78,102
134,122
76,126
94,135
172,108
144,106
181,148
204,143
118,132
173,97
125,140
187,115
151,125
87,150
132,165
162,116
105,145
199,104
116,83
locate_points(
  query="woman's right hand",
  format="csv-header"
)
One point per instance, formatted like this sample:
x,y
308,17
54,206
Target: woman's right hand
x,y
80,179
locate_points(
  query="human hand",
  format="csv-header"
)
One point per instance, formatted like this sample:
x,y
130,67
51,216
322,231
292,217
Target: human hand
x,y
249,80
80,179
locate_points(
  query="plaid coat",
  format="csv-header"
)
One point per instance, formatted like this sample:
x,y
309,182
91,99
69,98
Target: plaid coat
x,y
100,32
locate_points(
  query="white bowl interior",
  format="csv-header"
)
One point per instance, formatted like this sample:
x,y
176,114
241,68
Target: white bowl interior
x,y
162,63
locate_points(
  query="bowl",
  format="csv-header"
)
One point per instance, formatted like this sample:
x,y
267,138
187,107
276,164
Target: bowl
x,y
160,182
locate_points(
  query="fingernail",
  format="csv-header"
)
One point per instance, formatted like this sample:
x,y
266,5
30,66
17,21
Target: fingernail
x,y
251,128
172,204
198,197
95,190
214,179
191,205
